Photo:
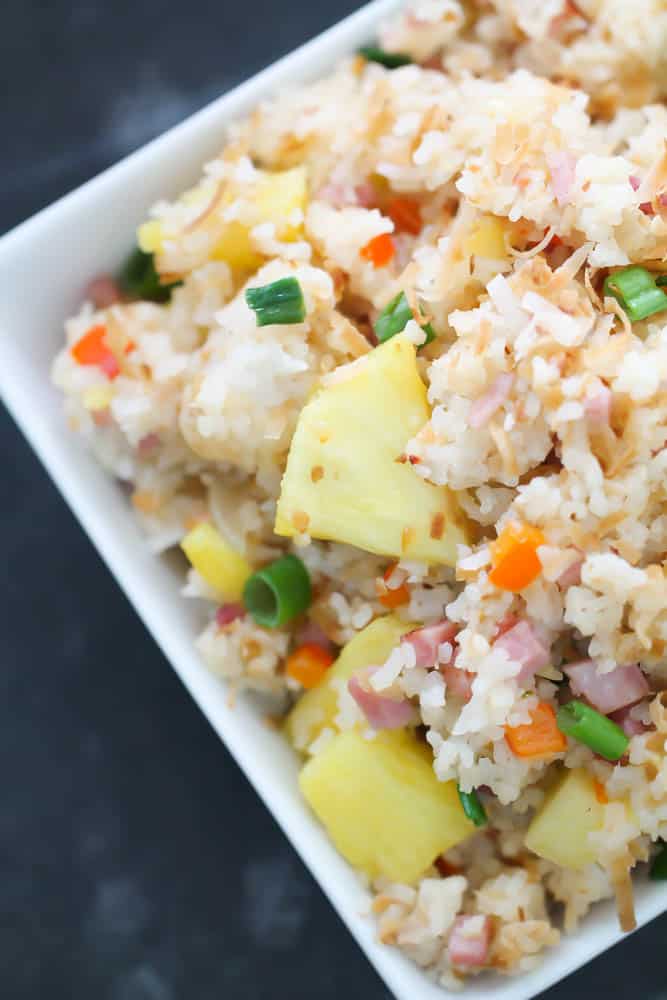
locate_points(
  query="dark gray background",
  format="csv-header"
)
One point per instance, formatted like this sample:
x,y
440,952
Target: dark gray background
x,y
136,863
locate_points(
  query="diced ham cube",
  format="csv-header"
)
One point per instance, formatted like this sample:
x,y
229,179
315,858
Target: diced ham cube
x,y
382,712
523,645
470,942
425,641
607,692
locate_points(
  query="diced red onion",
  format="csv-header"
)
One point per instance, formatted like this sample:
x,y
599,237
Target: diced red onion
x,y
381,711
228,613
426,641
635,182
562,170
470,941
598,407
607,692
485,406
103,292
523,645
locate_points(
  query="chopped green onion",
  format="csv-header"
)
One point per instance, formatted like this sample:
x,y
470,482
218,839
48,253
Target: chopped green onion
x,y
658,870
583,723
279,592
636,289
279,302
661,279
395,317
472,807
390,60
139,278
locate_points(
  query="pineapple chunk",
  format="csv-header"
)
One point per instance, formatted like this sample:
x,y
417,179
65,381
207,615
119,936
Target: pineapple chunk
x,y
559,830
225,570
279,198
487,239
150,236
382,804
343,479
317,708
236,248
281,195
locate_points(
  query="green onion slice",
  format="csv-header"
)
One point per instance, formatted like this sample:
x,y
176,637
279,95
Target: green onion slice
x,y
661,279
583,723
140,279
390,60
636,289
658,870
279,302
472,807
279,592
395,317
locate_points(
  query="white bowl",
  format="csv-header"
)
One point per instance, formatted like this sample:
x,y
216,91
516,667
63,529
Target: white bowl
x,y
89,232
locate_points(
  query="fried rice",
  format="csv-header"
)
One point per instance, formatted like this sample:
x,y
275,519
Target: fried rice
x,y
501,177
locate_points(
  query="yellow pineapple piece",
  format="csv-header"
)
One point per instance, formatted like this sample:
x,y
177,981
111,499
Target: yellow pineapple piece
x,y
317,708
382,804
279,196
150,236
236,248
559,830
344,480
487,239
225,570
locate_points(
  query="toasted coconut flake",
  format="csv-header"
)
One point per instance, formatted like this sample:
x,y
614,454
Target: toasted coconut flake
x,y
534,251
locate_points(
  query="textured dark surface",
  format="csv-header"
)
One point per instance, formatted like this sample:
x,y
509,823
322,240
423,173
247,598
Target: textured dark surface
x,y
136,863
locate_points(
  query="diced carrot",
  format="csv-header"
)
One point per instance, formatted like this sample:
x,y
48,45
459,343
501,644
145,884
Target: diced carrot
x,y
308,664
405,214
92,349
538,738
514,557
379,251
600,792
395,597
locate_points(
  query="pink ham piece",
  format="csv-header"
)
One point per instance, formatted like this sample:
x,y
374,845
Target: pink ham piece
x,y
571,576
598,407
366,195
483,408
470,941
148,443
311,634
646,207
562,169
382,712
607,692
103,292
523,645
425,641
458,682
228,613
631,727
334,194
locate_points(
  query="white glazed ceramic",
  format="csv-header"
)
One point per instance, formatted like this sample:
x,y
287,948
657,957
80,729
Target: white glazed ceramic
x,y
89,232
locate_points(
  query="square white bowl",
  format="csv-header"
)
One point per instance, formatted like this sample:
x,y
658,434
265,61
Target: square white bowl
x,y
86,233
